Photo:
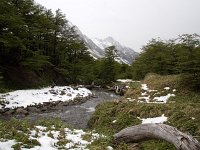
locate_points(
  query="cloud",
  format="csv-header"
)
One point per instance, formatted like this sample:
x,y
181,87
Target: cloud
x,y
131,22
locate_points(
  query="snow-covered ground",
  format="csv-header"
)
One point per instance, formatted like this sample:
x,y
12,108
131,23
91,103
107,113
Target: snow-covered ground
x,y
160,119
24,98
49,139
126,80
149,96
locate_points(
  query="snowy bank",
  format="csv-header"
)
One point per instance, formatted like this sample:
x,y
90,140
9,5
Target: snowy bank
x,y
24,98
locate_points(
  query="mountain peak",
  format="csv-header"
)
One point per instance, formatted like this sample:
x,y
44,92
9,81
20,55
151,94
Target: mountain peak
x,y
97,47
126,54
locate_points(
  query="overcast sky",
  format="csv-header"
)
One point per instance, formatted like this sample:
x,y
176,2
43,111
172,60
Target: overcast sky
x,y
131,22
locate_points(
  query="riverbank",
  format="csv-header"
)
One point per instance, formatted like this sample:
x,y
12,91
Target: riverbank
x,y
156,99
73,108
54,133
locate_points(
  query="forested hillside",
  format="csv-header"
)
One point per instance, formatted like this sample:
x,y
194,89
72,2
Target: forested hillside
x,y
39,47
178,56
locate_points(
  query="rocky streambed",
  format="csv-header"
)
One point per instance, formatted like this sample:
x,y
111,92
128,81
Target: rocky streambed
x,y
75,113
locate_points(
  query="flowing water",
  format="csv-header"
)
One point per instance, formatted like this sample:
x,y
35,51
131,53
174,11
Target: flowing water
x,y
77,115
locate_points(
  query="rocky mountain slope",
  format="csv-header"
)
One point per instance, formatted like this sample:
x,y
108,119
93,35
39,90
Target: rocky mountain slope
x,y
97,46
126,54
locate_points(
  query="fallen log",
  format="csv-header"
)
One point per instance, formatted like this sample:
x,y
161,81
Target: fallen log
x,y
146,132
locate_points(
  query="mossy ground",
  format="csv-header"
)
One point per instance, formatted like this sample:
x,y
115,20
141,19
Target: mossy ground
x,y
182,111
20,131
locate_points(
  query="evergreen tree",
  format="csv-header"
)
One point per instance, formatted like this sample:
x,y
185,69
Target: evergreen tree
x,y
108,71
189,59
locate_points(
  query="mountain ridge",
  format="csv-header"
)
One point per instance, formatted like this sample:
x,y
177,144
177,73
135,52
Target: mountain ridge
x,y
97,46
126,55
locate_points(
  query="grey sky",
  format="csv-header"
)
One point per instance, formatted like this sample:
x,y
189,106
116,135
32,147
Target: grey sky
x,y
131,22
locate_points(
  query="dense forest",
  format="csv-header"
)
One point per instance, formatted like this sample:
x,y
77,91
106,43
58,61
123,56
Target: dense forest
x,y
39,47
178,56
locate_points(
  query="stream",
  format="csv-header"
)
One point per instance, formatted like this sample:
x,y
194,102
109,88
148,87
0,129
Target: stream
x,y
76,115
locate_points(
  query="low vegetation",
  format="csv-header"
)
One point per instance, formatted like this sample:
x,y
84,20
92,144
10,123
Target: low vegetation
x,y
111,117
55,132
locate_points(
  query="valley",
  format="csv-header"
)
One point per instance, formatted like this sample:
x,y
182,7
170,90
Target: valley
x,y
62,89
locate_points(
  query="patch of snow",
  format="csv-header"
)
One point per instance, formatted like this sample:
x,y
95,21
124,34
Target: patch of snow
x,y
23,98
167,88
74,138
161,119
7,145
144,87
163,99
109,148
143,94
153,90
131,100
46,143
125,80
174,90
114,121
145,98
41,128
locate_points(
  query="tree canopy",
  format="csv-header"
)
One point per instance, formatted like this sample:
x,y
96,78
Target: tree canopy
x,y
33,37
179,56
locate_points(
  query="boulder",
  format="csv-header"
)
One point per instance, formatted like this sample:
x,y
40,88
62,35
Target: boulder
x,y
9,112
33,109
21,111
44,108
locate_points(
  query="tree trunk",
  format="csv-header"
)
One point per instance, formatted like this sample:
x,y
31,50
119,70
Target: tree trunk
x,y
145,132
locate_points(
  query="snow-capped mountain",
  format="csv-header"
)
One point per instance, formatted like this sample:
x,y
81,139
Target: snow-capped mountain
x,y
126,54
97,47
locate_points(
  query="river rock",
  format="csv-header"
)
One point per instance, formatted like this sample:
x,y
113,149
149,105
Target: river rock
x,y
69,94
60,104
65,103
53,92
9,112
44,108
3,110
21,111
33,109
46,103
62,93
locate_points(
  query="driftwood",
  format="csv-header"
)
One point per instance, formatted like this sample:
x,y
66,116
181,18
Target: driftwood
x,y
146,132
